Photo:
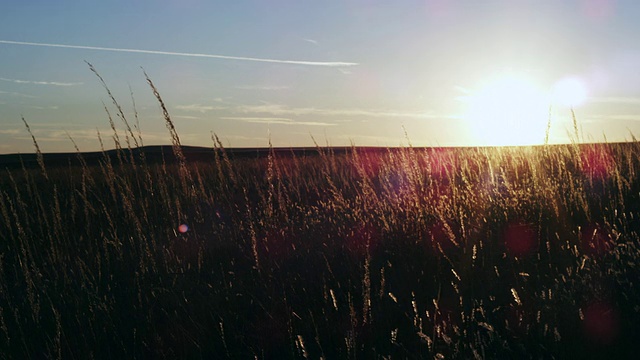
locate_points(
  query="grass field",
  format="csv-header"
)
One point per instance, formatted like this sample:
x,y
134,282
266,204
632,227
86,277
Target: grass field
x,y
523,252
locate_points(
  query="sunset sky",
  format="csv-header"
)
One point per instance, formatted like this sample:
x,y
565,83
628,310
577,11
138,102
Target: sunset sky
x,y
449,72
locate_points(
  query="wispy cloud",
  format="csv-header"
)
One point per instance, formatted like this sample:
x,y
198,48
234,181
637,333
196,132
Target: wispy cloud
x,y
63,135
18,94
314,42
58,135
198,108
612,117
54,125
175,117
276,109
242,137
617,100
155,52
262,87
363,139
10,131
462,89
55,107
54,83
283,121
628,117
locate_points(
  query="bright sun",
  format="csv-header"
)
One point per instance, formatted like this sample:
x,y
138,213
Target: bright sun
x,y
513,110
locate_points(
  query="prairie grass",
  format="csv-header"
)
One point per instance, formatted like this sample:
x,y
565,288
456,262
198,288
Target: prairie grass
x,y
515,252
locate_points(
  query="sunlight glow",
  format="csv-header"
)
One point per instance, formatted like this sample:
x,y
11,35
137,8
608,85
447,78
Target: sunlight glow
x,y
569,92
510,110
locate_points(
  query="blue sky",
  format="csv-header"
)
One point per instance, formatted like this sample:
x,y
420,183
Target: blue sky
x,y
357,71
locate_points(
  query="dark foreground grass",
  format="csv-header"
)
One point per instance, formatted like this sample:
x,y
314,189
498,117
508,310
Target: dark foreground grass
x,y
393,253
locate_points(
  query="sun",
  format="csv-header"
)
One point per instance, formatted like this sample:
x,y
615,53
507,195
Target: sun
x,y
509,110
513,109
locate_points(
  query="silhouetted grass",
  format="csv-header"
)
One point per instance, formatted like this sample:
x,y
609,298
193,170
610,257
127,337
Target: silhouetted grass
x,y
527,252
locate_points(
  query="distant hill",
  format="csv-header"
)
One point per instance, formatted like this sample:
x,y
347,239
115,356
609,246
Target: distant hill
x,y
154,154
159,153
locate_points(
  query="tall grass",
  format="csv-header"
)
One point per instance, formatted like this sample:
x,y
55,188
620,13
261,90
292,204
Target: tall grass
x,y
370,253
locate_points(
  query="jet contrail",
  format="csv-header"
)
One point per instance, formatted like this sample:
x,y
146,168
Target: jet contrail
x,y
295,62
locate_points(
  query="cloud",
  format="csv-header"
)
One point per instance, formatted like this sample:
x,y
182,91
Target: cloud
x,y
10,131
57,135
271,120
262,87
314,42
55,107
186,117
276,109
363,139
630,117
40,82
54,125
243,138
18,94
616,100
611,117
462,89
140,51
63,135
198,108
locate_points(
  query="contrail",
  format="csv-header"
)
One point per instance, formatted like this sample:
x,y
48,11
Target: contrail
x,y
295,62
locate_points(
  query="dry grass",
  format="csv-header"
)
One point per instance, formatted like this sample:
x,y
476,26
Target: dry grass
x,y
387,253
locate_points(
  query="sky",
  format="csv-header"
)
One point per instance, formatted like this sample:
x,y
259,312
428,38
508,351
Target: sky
x,y
338,72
